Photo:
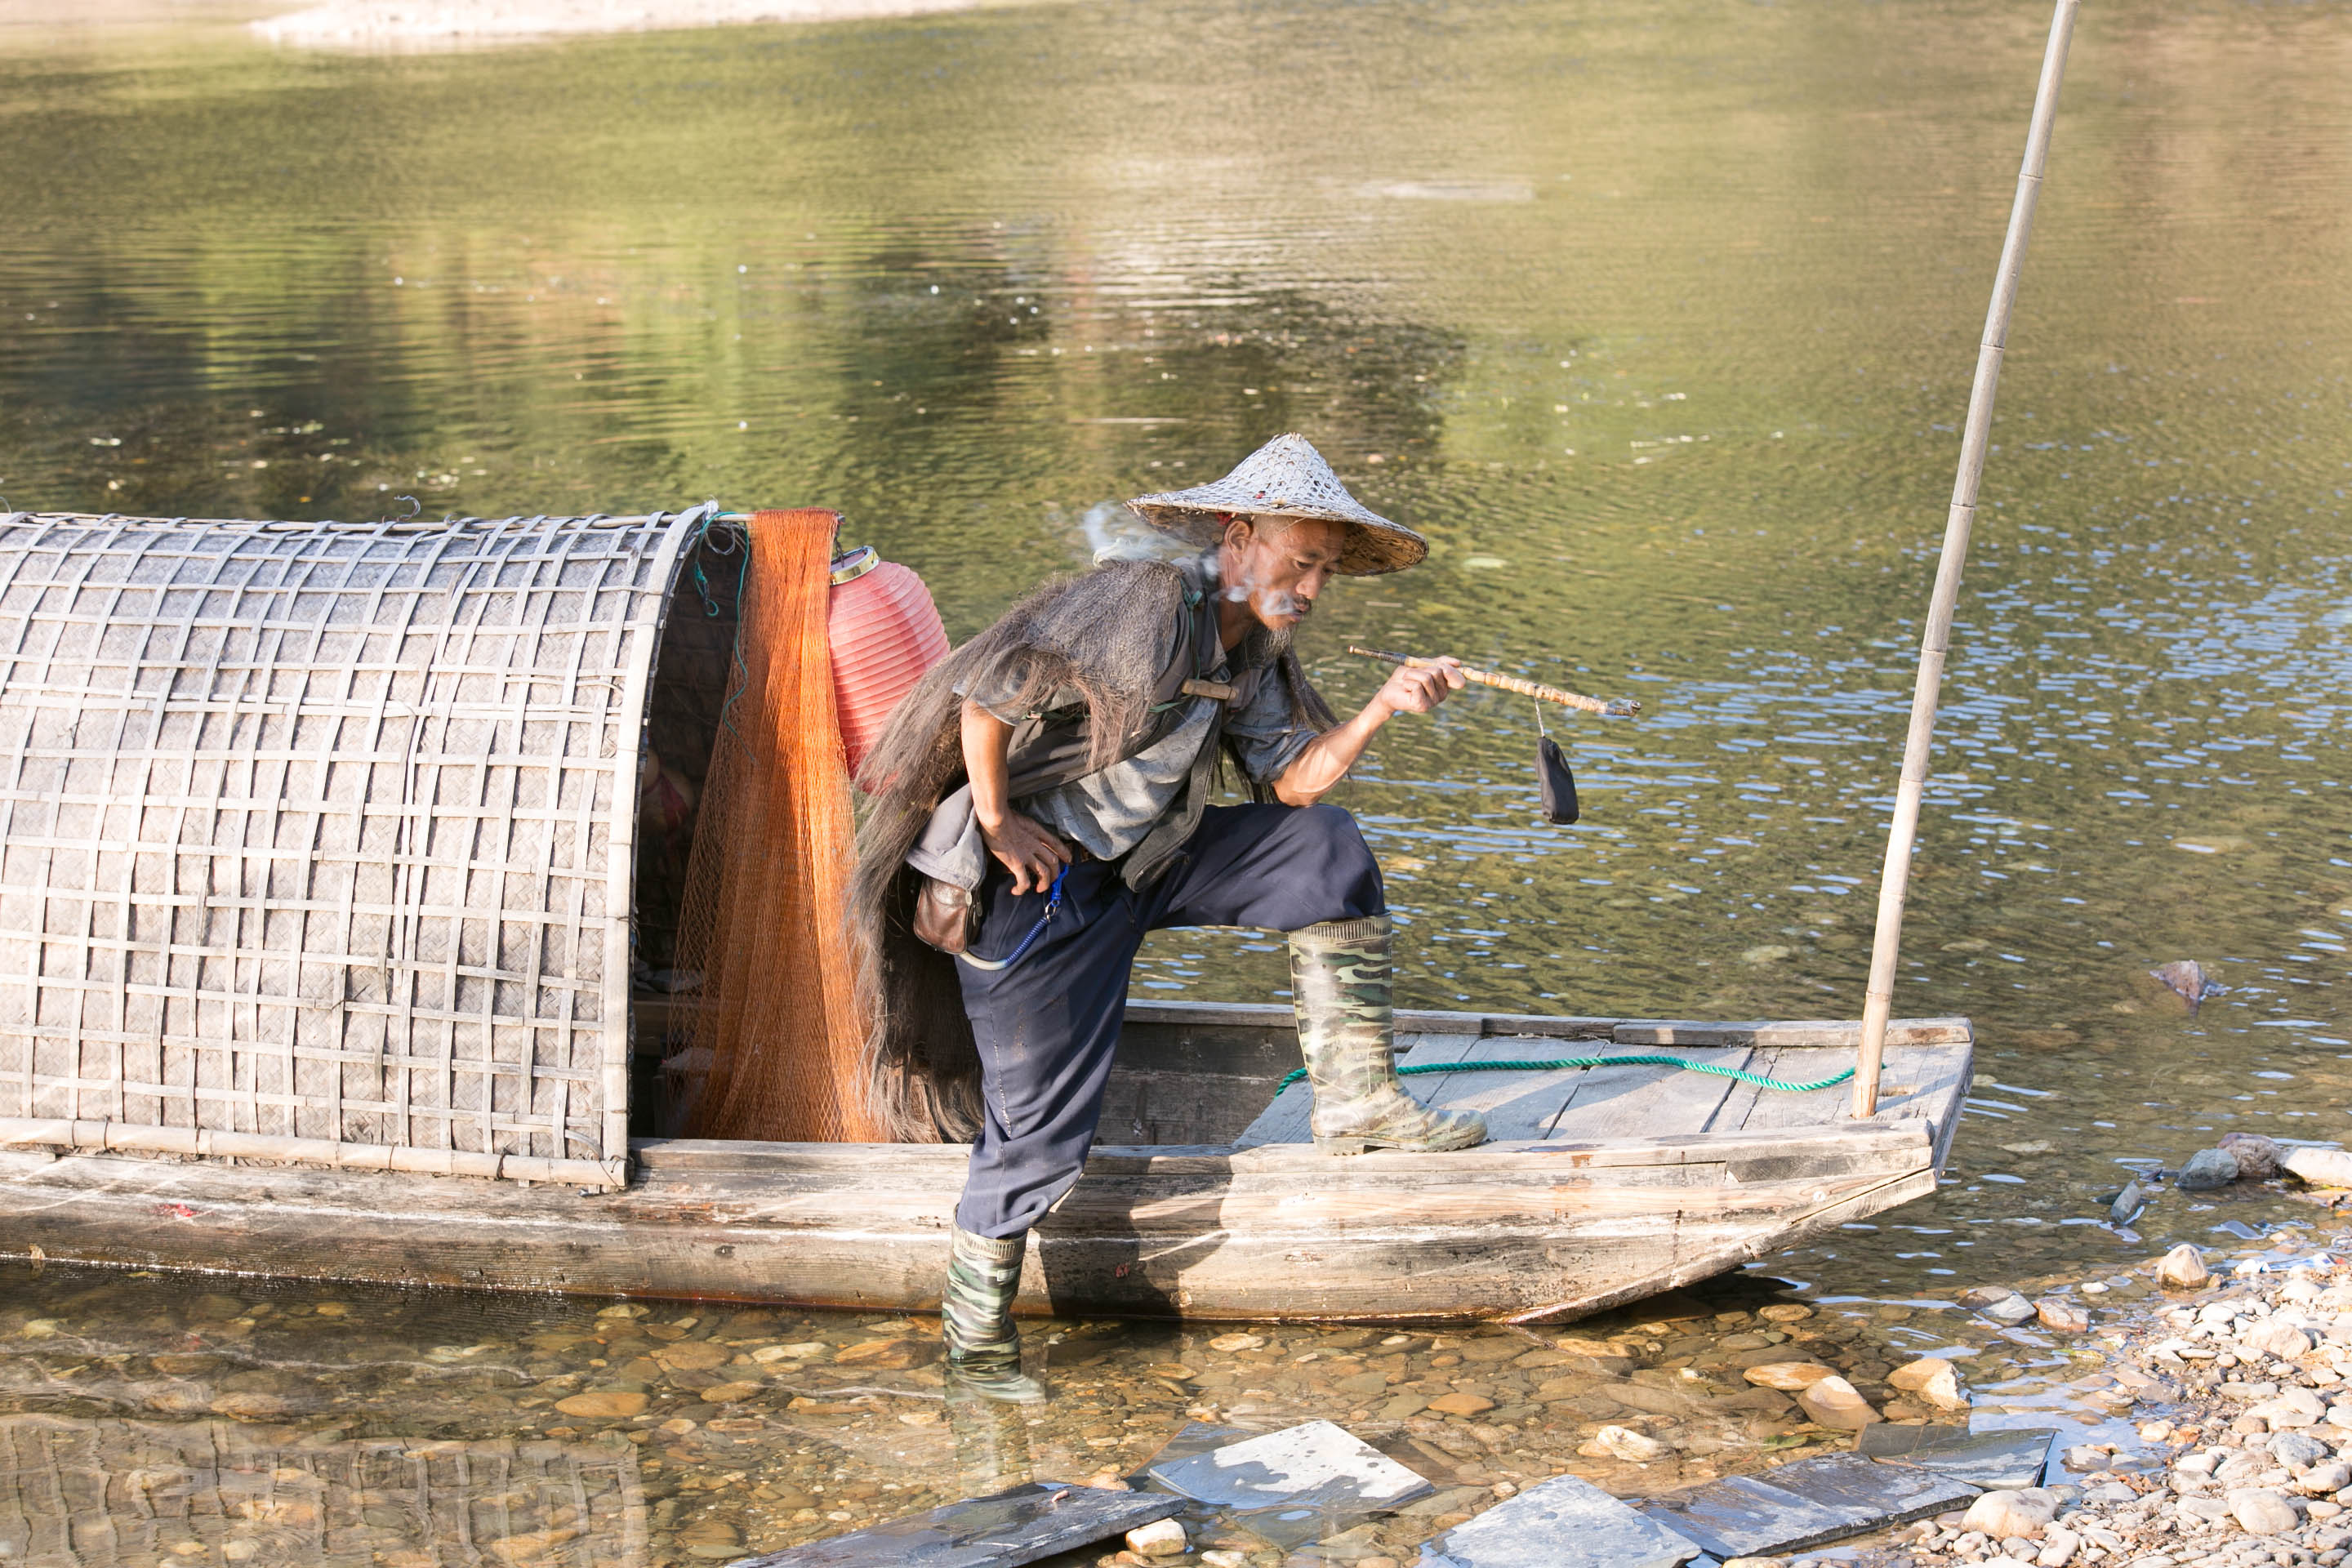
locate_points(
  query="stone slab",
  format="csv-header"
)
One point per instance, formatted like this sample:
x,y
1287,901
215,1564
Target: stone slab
x,y
1875,1495
1744,1516
1192,1438
1992,1459
1004,1530
1318,1466
1566,1519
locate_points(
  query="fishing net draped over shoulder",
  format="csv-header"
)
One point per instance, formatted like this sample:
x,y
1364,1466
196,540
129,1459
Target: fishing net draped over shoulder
x,y
774,1046
1101,637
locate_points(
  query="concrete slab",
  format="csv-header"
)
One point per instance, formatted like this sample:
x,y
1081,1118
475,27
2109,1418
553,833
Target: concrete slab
x,y
1318,1466
1990,1459
1004,1530
1566,1519
1192,1438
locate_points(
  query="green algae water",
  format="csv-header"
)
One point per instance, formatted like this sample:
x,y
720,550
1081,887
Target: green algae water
x,y
1657,320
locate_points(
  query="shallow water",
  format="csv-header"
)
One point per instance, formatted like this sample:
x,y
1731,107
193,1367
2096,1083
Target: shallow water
x,y
1657,320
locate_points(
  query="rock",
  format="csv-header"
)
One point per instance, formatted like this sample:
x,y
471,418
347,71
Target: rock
x,y
2026,1513
2320,1167
1237,1342
1977,1298
602,1404
2292,1407
2064,1317
2325,1480
1460,1403
2183,1268
1785,1312
887,1355
2208,1169
2128,1204
1622,1443
728,1393
1224,1559
1161,1537
699,1355
2260,1512
1787,1375
2083,1457
2185,977
1833,1402
2257,1156
1935,1380
2059,1545
2272,1338
1756,1562
2011,1309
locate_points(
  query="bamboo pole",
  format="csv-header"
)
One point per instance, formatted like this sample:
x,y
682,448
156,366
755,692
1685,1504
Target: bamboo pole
x,y
1893,885
1616,708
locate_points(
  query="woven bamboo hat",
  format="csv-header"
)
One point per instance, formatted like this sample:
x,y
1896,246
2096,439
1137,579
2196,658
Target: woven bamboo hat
x,y
1287,477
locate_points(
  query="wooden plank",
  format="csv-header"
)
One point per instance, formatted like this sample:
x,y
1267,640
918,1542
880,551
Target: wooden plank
x,y
1927,1083
1825,1033
1518,1106
1276,1017
1284,1120
1647,1101
1778,1110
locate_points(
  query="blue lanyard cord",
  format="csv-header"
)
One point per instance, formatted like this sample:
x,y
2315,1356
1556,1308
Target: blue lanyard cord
x,y
1053,903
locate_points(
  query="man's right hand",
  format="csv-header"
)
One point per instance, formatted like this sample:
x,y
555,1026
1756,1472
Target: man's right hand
x,y
1032,853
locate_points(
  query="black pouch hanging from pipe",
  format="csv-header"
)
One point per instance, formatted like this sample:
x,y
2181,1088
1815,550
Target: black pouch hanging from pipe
x,y
1558,784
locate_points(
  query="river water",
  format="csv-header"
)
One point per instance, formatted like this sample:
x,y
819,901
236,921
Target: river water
x,y
1657,318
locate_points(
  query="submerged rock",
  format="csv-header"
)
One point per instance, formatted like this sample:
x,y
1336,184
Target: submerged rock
x,y
1789,1376
2208,1169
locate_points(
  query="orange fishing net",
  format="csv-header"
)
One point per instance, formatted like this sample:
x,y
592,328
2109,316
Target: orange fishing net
x,y
775,1040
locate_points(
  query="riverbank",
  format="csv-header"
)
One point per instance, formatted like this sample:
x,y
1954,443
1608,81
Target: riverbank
x,y
421,23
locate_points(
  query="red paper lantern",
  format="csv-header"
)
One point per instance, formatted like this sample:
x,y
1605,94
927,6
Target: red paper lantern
x,y
885,633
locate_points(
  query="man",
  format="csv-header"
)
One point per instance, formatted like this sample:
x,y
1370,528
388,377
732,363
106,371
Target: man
x,y
1042,802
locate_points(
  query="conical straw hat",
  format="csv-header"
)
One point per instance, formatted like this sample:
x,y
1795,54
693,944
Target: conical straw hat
x,y
1287,477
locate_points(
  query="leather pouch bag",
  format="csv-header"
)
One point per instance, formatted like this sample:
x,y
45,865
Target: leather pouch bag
x,y
946,917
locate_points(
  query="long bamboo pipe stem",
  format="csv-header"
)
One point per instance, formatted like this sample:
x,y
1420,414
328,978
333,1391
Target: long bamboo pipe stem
x,y
1616,708
1893,885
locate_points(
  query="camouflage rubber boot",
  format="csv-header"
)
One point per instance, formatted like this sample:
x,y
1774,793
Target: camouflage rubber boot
x,y
1339,985
976,1318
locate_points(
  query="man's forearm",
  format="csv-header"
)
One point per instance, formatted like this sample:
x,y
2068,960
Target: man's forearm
x,y
987,740
1326,759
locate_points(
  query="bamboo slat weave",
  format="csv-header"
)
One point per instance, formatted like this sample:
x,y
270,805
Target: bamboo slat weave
x,y
322,833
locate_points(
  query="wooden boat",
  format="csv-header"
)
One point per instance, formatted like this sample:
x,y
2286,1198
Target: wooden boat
x,y
322,883
1601,1186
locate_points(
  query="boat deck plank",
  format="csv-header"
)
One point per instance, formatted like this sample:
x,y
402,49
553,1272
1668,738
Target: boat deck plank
x,y
1647,1102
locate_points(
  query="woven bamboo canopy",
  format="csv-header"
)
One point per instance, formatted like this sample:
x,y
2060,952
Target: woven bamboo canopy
x,y
317,840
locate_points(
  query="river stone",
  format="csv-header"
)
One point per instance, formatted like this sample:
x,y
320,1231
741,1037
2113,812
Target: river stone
x,y
2320,1167
2261,1511
1564,1519
2010,1308
1785,1312
1460,1403
2183,1268
1787,1375
2064,1317
1834,1402
2293,1407
2257,1156
2294,1448
1622,1443
2001,1514
1935,1380
2272,1338
602,1404
1161,1537
2208,1169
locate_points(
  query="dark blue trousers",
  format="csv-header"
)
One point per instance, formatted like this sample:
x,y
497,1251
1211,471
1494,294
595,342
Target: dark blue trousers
x,y
1048,1025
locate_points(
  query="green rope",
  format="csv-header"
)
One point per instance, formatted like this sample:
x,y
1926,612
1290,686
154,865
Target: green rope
x,y
1733,1073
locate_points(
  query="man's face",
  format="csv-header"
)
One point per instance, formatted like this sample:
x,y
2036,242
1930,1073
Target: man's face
x,y
1278,569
